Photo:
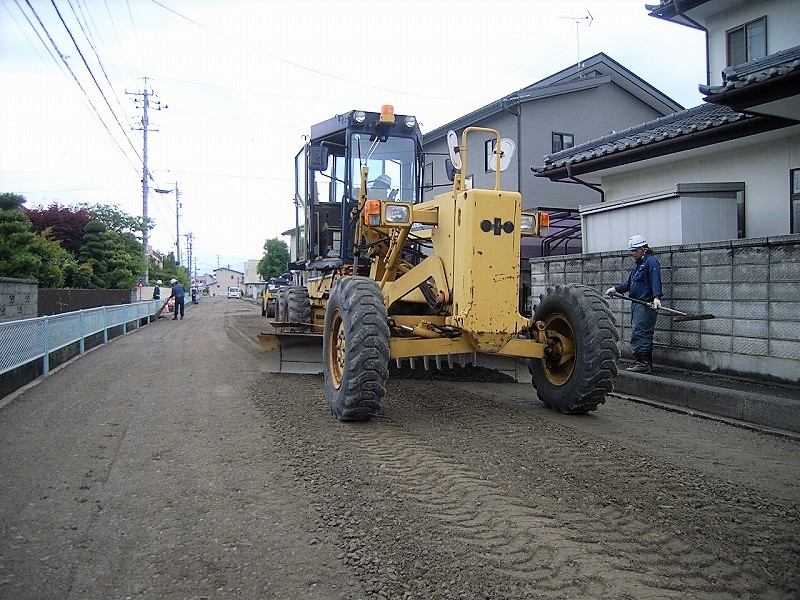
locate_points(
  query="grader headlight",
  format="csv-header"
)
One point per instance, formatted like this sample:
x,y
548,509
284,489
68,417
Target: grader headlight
x,y
527,224
396,213
534,223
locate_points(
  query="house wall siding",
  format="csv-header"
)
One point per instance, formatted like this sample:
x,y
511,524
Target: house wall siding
x,y
752,286
763,166
782,19
586,114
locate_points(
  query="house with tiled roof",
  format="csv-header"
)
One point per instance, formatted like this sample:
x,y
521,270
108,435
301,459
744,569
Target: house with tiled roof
x,y
727,169
714,189
563,110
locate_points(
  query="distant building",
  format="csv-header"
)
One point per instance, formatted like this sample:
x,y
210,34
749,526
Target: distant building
x,y
253,282
223,279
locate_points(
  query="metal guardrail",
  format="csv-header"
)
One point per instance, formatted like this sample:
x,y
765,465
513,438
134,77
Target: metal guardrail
x,y
27,340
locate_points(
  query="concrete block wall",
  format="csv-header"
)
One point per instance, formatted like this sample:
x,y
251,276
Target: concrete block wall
x,y
18,299
752,286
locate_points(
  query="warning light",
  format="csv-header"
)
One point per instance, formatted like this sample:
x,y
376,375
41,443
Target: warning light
x,y
387,113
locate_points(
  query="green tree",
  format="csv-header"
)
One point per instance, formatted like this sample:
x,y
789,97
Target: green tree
x,y
25,254
113,261
275,260
16,240
169,270
57,264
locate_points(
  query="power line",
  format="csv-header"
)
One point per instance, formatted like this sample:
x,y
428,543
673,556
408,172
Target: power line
x,y
36,31
88,35
298,65
91,73
77,81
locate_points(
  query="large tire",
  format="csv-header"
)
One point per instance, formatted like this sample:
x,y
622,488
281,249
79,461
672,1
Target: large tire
x,y
282,306
576,384
298,308
355,349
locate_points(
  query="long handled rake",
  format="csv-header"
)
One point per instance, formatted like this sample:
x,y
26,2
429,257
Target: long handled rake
x,y
676,314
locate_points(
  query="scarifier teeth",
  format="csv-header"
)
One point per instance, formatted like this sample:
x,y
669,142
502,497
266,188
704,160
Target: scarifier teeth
x,y
439,361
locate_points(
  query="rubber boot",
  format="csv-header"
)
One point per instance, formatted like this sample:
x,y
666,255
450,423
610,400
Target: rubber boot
x,y
648,357
641,365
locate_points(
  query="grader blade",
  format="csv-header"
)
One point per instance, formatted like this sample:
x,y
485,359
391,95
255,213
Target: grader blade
x,y
291,352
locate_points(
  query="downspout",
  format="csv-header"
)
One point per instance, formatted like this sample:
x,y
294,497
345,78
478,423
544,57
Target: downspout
x,y
591,186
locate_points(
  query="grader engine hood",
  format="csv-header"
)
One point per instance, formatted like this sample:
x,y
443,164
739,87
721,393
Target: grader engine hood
x,y
483,232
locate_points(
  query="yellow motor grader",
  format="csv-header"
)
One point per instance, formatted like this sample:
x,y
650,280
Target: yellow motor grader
x,y
382,274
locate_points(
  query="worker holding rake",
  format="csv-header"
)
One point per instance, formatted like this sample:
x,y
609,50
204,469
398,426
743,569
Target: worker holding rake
x,y
643,284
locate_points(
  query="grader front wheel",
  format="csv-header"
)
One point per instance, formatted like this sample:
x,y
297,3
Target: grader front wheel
x,y
355,349
581,355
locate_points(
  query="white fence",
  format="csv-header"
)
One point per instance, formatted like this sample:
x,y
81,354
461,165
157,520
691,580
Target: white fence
x,y
27,340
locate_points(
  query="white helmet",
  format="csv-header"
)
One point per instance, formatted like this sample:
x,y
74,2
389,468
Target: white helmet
x,y
636,241
173,281
158,282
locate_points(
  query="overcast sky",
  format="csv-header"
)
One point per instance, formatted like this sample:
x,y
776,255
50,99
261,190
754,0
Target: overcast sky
x,y
245,80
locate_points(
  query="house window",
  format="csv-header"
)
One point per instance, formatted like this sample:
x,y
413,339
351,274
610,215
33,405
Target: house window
x,y
562,141
747,42
488,148
794,199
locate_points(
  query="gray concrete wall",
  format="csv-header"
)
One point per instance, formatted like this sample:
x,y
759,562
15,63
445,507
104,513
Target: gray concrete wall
x,y
751,285
18,299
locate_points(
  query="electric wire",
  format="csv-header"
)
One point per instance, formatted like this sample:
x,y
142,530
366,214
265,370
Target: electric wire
x,y
36,31
96,83
119,41
88,35
77,81
298,65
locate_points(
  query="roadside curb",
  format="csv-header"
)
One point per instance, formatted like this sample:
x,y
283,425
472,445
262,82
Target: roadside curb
x,y
739,405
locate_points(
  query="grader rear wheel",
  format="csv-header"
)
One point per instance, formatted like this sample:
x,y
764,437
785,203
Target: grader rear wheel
x,y
282,306
580,360
355,349
298,308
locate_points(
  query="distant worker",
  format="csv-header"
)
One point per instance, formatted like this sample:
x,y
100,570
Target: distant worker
x,y
644,283
194,294
157,291
179,293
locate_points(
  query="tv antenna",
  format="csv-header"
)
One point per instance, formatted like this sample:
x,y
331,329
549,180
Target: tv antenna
x,y
578,22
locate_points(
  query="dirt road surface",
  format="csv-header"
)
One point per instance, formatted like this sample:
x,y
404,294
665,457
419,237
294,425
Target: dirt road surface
x,y
167,465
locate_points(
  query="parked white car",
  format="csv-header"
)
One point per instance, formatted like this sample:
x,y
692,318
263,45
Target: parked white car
x,y
233,292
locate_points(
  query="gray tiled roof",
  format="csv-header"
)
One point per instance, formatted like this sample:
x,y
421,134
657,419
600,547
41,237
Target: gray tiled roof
x,y
686,122
755,71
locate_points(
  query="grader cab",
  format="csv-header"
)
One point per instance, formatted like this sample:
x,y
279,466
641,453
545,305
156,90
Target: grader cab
x,y
384,275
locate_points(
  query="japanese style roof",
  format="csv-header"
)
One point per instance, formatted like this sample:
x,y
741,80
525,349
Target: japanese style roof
x,y
768,85
693,128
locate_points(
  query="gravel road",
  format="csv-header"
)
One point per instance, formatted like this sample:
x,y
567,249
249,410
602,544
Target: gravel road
x,y
167,465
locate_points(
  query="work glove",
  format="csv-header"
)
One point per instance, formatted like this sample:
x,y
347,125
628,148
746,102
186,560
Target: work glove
x,y
656,303
611,291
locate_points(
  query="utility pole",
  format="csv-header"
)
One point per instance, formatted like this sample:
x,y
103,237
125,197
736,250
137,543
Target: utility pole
x,y
178,223
146,94
189,240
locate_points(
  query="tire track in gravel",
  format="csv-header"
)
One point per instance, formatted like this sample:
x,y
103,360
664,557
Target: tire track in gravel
x,y
451,464
523,537
669,550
